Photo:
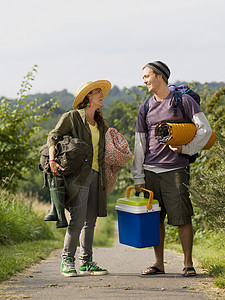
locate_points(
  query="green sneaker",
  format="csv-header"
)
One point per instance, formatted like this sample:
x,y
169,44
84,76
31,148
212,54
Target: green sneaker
x,y
91,268
68,267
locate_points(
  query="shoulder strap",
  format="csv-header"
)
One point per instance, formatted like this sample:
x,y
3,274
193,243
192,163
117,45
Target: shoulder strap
x,y
146,107
178,103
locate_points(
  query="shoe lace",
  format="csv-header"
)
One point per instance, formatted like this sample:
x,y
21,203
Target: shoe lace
x,y
91,265
70,265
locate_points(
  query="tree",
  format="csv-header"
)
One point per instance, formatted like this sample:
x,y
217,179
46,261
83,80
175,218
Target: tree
x,y
207,177
19,125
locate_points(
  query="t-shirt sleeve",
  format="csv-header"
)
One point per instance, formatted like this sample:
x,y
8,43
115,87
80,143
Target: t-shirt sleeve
x,y
191,107
141,119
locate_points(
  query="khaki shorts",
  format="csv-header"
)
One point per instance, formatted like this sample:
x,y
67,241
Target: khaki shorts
x,y
170,189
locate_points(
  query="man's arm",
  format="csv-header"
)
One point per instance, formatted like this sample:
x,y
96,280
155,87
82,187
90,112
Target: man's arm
x,y
201,137
139,156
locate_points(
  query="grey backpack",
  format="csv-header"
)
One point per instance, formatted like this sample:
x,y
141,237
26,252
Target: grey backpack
x,y
70,153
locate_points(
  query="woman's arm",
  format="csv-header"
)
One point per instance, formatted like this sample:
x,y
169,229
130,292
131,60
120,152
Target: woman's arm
x,y
53,165
63,127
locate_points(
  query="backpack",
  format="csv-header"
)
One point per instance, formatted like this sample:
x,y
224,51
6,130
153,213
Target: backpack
x,y
178,103
70,153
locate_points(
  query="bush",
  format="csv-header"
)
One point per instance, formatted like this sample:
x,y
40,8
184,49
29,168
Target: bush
x,y
207,186
19,126
207,174
19,223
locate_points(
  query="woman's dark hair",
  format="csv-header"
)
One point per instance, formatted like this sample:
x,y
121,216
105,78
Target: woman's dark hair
x,y
98,117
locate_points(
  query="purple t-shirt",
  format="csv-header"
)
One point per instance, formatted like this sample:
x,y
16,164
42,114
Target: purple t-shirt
x,y
158,154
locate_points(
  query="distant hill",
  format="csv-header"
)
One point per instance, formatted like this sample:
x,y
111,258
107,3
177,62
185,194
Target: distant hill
x,y
66,99
214,86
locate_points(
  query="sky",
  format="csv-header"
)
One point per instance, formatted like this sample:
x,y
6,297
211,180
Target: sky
x,y
73,41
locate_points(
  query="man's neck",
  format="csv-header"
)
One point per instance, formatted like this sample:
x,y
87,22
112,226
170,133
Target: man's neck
x,y
162,93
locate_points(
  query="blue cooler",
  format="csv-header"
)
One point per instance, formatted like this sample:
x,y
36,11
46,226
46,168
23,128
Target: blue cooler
x,y
138,220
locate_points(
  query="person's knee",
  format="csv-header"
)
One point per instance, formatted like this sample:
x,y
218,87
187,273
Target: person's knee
x,y
90,223
75,225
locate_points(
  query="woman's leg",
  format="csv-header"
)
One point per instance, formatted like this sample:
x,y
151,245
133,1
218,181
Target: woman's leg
x,y
87,232
77,219
76,223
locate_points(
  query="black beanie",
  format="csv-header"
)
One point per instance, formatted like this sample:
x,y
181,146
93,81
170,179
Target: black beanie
x,y
160,68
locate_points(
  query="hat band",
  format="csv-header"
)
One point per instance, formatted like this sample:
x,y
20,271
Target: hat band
x,y
159,69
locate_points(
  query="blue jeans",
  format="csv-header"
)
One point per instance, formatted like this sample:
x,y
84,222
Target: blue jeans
x,y
83,219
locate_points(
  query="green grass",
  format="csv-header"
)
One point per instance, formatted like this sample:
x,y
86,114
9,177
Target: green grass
x,y
26,239
209,251
104,232
18,257
15,257
209,246
19,222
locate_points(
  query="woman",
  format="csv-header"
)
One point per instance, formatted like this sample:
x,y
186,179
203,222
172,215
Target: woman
x,y
86,191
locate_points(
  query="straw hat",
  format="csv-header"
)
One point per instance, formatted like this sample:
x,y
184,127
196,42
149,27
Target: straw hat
x,y
89,86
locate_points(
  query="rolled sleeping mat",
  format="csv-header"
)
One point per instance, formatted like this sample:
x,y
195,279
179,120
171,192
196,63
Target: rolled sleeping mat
x,y
174,134
210,142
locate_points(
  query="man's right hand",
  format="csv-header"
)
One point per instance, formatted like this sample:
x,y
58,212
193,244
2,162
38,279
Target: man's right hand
x,y
138,187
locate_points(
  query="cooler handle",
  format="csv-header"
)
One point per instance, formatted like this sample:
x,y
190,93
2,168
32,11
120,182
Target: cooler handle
x,y
149,205
129,190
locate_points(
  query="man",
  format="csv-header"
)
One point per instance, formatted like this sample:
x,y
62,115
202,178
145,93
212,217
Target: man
x,y
162,168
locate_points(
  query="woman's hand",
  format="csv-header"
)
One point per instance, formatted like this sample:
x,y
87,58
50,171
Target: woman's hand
x,y
55,167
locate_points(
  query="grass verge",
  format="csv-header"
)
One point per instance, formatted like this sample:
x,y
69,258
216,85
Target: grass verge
x,y
209,250
26,239
15,258
18,257
104,232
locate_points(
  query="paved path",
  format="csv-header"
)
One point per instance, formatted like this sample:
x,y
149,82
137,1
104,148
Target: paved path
x,y
44,282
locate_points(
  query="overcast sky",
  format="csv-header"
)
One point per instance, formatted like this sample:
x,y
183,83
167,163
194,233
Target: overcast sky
x,y
75,41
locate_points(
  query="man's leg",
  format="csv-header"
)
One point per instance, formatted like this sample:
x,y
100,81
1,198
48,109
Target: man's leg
x,y
186,238
159,250
158,266
152,182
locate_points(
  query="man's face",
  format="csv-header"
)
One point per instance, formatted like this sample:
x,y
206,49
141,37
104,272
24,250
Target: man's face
x,y
150,79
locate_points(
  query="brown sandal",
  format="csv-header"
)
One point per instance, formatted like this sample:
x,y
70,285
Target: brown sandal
x,y
152,271
189,271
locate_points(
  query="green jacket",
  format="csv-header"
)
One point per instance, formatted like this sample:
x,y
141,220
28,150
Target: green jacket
x,y
74,123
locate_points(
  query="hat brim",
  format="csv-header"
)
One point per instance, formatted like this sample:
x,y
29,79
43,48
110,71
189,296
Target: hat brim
x,y
104,85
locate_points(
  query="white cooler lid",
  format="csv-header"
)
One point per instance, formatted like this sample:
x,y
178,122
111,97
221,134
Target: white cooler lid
x,y
137,209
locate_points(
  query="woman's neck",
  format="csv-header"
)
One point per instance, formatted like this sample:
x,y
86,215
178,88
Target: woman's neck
x,y
89,115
